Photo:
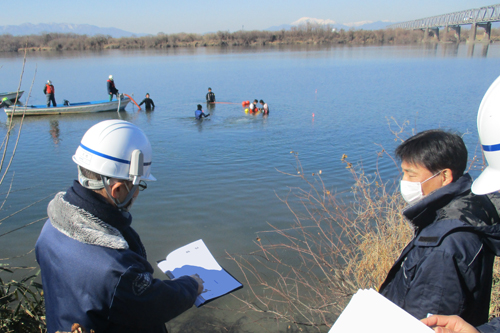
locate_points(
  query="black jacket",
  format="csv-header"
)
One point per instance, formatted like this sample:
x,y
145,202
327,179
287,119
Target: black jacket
x,y
210,97
148,102
447,268
111,87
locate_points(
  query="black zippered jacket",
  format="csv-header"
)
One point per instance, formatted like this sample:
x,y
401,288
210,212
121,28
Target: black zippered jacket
x,y
447,267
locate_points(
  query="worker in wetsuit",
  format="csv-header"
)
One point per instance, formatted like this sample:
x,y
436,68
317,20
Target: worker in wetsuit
x,y
265,107
111,88
198,114
210,96
253,107
149,102
49,92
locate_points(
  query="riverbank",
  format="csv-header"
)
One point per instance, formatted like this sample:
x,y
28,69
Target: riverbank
x,y
295,36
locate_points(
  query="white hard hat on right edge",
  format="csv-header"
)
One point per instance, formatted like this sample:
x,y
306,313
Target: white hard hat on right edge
x,y
116,149
488,126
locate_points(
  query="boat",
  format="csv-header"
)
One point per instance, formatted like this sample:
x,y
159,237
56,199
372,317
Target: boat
x,y
84,107
11,95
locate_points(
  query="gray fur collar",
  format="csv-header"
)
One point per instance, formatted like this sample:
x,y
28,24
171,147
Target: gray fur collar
x,y
82,226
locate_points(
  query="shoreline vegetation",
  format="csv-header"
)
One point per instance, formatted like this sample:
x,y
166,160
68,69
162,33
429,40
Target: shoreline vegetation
x,y
308,34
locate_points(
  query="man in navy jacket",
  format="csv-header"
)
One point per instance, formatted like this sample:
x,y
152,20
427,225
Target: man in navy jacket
x,y
93,263
447,267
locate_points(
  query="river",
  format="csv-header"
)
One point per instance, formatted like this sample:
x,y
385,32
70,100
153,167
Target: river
x,y
221,179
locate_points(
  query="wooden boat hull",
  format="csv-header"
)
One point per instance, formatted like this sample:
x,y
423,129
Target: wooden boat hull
x,y
11,95
85,107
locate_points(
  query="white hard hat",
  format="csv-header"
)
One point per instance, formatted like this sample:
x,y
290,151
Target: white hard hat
x,y
49,82
111,77
488,124
116,149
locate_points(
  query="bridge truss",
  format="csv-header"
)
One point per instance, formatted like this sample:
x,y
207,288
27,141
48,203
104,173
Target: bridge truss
x,y
479,17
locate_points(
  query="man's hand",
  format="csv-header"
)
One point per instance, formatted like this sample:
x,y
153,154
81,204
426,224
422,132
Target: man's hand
x,y
449,324
200,283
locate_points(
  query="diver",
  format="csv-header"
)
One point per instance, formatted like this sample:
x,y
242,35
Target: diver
x,y
198,114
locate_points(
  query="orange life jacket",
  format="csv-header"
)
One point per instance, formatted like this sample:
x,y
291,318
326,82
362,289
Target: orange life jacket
x,y
50,88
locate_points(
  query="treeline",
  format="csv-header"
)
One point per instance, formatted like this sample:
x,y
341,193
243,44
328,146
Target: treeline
x,y
308,34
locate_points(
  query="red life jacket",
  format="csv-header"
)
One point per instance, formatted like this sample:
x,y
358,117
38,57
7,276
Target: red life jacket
x,y
50,88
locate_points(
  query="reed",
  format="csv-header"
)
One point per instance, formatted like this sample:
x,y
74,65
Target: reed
x,y
338,243
305,274
21,301
306,34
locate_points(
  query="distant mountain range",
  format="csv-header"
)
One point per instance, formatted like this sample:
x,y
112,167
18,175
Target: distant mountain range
x,y
80,29
92,30
366,25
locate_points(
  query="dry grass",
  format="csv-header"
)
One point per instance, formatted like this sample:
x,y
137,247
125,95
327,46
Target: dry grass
x,y
338,243
305,274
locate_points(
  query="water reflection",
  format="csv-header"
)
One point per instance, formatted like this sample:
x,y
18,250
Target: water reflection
x,y
75,118
484,49
149,115
210,108
54,131
450,49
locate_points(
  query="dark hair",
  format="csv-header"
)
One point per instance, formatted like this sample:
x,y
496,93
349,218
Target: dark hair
x,y
435,150
209,88
90,174
256,101
261,101
199,106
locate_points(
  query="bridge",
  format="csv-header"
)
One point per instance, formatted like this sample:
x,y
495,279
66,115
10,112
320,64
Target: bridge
x,y
479,17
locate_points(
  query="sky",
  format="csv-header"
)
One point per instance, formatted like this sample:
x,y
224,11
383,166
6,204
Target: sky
x,y
195,16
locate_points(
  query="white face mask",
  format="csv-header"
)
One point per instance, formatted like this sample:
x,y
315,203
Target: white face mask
x,y
412,191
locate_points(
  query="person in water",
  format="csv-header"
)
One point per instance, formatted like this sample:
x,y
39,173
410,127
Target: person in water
x,y
199,113
149,102
210,96
265,107
253,106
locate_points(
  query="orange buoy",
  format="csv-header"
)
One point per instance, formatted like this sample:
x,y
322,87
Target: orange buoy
x,y
243,103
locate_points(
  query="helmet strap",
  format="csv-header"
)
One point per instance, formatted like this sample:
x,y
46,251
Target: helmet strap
x,y
122,206
91,184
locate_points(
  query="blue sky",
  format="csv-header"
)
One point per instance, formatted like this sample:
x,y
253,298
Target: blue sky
x,y
153,16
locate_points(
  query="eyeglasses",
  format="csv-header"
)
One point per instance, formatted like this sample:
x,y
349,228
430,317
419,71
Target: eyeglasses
x,y
143,185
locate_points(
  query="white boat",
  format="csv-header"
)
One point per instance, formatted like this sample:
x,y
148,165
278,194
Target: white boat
x,y
11,96
84,107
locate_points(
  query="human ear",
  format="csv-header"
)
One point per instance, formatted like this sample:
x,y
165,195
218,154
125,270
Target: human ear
x,y
447,176
116,189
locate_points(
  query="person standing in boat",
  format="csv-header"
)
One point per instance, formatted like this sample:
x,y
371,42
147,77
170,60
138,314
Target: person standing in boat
x,y
50,93
210,96
198,114
111,88
149,102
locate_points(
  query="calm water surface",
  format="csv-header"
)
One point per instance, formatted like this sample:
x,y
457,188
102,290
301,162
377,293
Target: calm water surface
x,y
218,179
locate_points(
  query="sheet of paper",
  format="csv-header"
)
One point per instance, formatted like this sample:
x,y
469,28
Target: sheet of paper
x,y
195,258
368,311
